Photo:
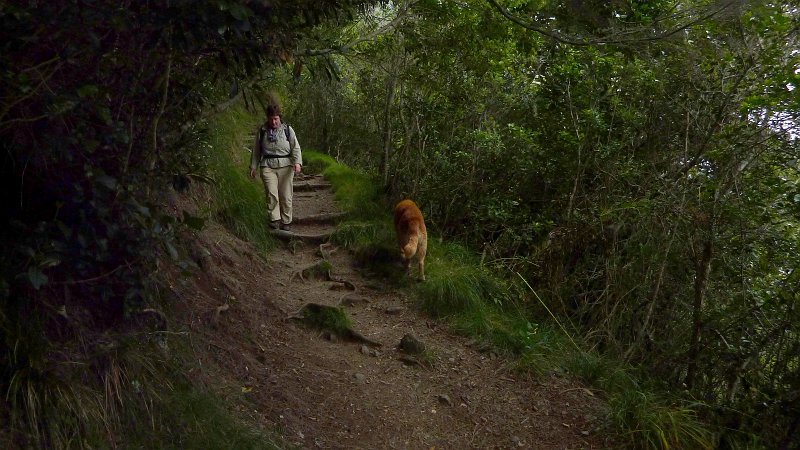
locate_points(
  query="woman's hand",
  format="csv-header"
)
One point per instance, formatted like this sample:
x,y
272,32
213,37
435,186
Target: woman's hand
x,y
297,168
252,173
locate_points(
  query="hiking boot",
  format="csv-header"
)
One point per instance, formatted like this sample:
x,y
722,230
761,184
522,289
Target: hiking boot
x,y
275,224
286,227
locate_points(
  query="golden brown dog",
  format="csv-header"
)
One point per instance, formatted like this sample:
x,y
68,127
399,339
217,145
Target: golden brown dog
x,y
411,234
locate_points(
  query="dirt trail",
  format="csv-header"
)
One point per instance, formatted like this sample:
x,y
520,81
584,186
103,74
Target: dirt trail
x,y
328,393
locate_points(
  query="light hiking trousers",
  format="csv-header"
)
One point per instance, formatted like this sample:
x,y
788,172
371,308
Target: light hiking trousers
x,y
279,189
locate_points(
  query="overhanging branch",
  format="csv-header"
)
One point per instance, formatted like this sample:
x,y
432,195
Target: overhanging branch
x,y
612,39
374,34
216,109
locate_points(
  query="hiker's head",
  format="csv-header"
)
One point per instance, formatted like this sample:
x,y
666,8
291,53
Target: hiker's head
x,y
273,116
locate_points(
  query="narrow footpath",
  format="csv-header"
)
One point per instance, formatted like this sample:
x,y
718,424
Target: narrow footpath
x,y
321,391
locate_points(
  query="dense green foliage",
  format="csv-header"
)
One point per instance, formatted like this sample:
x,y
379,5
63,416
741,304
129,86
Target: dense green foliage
x,y
476,302
636,162
101,115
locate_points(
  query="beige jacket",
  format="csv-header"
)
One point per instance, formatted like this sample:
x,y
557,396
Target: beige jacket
x,y
274,150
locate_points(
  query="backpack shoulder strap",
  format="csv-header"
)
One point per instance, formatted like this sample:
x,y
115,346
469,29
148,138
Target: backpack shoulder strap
x,y
286,131
260,135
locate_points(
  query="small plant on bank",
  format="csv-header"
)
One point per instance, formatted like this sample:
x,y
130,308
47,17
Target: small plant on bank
x,y
326,318
428,358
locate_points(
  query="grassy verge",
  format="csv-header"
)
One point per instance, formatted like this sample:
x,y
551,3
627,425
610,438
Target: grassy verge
x,y
183,415
356,193
238,202
128,394
177,413
197,420
496,312
88,389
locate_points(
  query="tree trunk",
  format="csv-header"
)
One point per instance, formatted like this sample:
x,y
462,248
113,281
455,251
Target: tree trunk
x,y
703,268
387,130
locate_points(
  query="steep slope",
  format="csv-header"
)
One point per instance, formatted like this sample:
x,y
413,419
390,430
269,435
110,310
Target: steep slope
x,y
321,391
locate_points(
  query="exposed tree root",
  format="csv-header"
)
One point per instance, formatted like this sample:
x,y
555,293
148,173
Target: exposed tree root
x,y
331,319
219,310
320,270
308,238
305,186
320,218
326,250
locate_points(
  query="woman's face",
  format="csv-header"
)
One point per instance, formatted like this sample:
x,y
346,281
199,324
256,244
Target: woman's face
x,y
274,122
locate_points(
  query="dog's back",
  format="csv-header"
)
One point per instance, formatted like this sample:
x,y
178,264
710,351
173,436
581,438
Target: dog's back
x,y
411,234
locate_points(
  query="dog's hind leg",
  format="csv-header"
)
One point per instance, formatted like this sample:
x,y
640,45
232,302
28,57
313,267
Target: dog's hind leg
x,y
422,250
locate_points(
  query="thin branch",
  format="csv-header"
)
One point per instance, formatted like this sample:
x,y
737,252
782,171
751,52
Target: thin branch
x,y
163,104
374,34
96,278
719,116
613,39
159,113
211,112
42,83
5,125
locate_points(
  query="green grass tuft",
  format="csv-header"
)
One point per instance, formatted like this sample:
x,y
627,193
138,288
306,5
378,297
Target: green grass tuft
x,y
362,234
427,358
602,372
328,318
193,419
239,202
644,419
456,283
356,193
121,394
373,245
315,162
648,422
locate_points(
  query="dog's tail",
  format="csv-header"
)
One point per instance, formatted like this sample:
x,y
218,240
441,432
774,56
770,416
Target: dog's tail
x,y
410,249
